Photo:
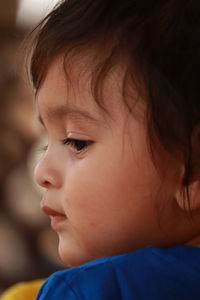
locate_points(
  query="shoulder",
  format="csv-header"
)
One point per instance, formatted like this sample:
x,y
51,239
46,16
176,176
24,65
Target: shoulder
x,y
98,279
92,280
123,277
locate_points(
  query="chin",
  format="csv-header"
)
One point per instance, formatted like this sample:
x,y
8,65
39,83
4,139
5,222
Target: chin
x,y
72,257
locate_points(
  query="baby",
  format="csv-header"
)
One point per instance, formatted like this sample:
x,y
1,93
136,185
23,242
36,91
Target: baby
x,y
117,91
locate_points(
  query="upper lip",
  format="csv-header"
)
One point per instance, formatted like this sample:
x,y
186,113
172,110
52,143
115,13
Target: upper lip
x,y
51,212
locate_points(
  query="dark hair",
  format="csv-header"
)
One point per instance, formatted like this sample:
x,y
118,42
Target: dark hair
x,y
159,41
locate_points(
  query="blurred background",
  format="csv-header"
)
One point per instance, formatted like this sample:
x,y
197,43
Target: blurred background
x,y
28,247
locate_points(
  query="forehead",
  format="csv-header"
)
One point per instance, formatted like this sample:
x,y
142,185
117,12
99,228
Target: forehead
x,y
69,85
67,88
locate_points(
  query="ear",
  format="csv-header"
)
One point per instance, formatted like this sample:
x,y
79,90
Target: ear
x,y
194,180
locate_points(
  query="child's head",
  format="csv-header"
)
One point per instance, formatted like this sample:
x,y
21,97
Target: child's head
x,y
117,89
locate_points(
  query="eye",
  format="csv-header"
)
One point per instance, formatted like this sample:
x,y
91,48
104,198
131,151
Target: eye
x,y
78,145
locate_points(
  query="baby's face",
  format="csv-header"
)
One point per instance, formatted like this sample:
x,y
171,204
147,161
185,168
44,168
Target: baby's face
x,y
101,185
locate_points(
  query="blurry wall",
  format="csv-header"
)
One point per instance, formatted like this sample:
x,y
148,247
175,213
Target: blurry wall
x,y
8,14
28,248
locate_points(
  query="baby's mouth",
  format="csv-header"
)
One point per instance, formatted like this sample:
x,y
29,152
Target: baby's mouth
x,y
56,217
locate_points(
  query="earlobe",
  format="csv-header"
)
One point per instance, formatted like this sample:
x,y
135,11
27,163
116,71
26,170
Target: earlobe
x,y
195,154
189,199
194,195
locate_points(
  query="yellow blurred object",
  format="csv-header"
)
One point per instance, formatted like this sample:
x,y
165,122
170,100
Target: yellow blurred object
x,y
23,291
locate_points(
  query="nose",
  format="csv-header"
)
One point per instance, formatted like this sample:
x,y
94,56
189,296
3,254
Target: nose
x,y
45,174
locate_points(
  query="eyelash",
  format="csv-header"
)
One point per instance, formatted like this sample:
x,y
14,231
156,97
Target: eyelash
x,y
78,145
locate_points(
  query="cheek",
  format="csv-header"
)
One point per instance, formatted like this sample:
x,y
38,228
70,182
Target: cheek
x,y
107,203
98,187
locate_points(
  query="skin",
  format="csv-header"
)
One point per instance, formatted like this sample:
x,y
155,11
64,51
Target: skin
x,y
113,198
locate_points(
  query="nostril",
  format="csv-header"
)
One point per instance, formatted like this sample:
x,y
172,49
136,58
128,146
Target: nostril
x,y
41,179
45,184
46,173
40,175
46,176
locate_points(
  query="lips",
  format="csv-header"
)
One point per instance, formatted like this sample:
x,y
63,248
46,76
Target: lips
x,y
50,212
56,217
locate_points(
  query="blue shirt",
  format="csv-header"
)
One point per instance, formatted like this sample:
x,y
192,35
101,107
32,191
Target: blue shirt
x,y
150,273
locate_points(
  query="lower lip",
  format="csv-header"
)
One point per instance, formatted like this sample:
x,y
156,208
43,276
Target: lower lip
x,y
56,221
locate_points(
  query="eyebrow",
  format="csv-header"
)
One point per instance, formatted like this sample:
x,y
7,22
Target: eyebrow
x,y
73,113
